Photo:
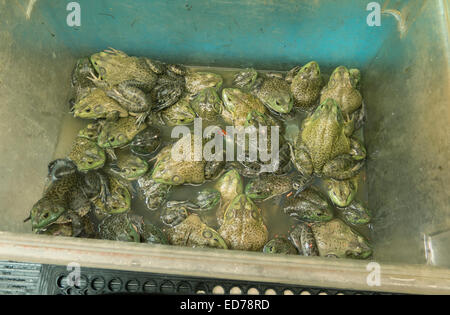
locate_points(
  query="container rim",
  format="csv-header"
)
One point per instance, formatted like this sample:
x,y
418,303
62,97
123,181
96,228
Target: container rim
x,y
345,274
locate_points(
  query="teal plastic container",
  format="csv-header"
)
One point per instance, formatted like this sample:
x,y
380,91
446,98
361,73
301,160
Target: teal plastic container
x,y
404,63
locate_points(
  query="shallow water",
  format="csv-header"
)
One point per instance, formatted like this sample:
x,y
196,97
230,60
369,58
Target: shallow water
x,y
276,221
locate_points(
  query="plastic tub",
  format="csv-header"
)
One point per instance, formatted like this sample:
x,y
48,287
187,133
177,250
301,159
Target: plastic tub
x,y
405,67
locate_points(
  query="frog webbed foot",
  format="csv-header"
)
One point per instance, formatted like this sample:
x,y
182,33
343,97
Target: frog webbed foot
x,y
360,116
342,167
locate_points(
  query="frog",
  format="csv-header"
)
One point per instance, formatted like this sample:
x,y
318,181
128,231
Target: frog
x,y
279,245
305,84
197,81
337,239
178,114
303,239
356,213
153,193
121,227
342,192
174,213
207,104
127,166
205,200
342,87
80,79
308,206
87,155
96,104
277,165
238,105
60,197
117,134
68,229
243,227
230,185
126,79
146,142
192,232
182,167
268,186
271,89
151,234
322,147
90,131
169,89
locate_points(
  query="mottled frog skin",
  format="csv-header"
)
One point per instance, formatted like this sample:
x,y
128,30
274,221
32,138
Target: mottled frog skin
x,y
308,206
342,88
279,245
306,85
243,227
192,232
303,239
336,239
87,155
230,185
119,133
197,81
238,105
178,170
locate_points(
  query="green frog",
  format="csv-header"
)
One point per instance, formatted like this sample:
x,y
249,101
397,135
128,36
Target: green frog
x,y
121,227
306,84
146,142
126,79
342,192
323,147
243,227
308,206
230,185
238,105
303,239
117,201
96,104
271,89
154,193
91,131
355,213
174,213
127,166
80,81
268,186
87,155
336,239
178,114
279,245
207,104
182,167
197,81
119,133
342,88
192,232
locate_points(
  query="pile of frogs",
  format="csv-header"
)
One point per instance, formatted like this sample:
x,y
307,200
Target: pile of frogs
x,y
121,155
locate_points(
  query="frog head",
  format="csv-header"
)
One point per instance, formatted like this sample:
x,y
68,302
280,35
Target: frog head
x,y
45,212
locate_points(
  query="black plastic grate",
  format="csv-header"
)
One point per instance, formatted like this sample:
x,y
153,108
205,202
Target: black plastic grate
x,y
103,281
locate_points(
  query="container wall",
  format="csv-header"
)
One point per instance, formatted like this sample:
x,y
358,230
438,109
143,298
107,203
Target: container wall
x,y
406,87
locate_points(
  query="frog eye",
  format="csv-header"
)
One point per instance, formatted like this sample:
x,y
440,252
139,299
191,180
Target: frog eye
x,y
207,234
176,178
87,110
121,138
